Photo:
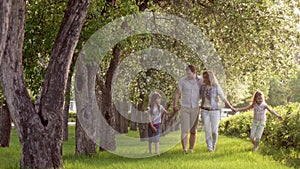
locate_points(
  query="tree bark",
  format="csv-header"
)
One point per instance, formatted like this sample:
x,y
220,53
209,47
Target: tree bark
x,y
68,99
103,126
5,9
85,112
169,123
108,141
133,119
40,133
5,126
84,144
143,116
121,112
66,108
107,133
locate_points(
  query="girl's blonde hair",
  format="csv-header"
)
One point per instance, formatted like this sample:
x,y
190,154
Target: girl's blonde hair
x,y
153,98
257,94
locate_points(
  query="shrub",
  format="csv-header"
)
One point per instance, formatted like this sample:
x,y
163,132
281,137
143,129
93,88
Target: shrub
x,y
72,116
237,125
283,135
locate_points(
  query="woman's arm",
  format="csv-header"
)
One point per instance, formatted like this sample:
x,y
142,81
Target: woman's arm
x,y
229,105
222,96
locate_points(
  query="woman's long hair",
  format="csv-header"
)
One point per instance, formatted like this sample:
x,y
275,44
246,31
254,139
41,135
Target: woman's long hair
x,y
153,98
212,78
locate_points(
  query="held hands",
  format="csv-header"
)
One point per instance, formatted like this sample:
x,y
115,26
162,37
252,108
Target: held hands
x,y
234,110
175,109
170,114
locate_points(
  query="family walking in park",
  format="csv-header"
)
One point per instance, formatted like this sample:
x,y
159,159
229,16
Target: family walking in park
x,y
191,89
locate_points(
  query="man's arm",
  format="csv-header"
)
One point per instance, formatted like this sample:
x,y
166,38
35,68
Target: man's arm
x,y
176,98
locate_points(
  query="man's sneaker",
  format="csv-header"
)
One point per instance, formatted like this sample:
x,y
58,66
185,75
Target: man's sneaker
x,y
185,151
191,151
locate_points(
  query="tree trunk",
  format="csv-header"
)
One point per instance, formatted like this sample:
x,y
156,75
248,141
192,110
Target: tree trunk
x,y
86,114
86,111
40,133
143,116
143,130
133,118
107,137
66,108
124,118
5,10
121,112
118,115
169,123
5,126
84,144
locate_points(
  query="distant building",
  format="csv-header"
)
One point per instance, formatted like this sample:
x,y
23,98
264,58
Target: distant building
x,y
225,112
72,106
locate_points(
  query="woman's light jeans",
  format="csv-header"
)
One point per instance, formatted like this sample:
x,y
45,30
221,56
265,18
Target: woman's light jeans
x,y
211,120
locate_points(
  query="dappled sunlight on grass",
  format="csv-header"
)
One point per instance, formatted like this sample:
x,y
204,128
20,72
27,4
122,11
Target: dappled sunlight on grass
x,y
230,153
131,146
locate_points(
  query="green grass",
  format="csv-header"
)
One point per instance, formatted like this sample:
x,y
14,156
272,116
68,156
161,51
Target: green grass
x,y
230,153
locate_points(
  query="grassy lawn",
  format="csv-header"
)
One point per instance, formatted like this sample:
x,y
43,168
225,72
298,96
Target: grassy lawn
x,y
230,153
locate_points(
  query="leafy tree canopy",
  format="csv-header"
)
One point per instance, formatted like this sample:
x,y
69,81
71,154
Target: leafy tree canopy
x,y
256,41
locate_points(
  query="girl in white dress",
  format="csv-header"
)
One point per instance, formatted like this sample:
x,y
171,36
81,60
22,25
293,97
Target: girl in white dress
x,y
155,112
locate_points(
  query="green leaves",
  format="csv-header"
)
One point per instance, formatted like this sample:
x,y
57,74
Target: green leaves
x,y
256,41
42,23
280,134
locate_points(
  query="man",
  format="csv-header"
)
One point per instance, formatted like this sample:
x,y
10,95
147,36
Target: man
x,y
188,89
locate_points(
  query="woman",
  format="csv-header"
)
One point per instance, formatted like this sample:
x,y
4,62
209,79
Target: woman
x,y
210,92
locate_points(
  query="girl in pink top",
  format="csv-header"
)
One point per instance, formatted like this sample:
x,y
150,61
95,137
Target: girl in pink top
x,y
258,124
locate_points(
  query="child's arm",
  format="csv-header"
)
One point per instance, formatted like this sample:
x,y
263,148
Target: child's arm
x,y
150,123
273,112
152,127
244,108
166,111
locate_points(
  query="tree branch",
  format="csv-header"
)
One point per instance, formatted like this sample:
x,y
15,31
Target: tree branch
x,y
57,71
11,71
117,52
